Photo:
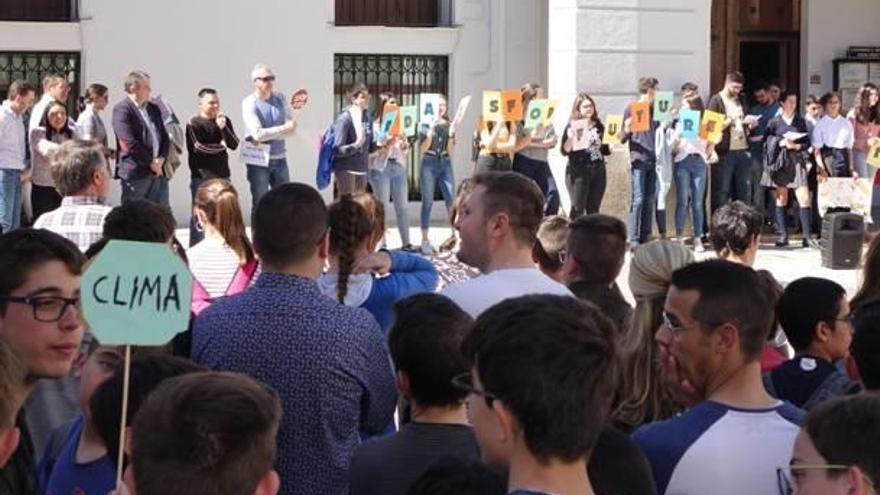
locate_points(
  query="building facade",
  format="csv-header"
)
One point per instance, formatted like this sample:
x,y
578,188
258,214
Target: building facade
x,y
459,47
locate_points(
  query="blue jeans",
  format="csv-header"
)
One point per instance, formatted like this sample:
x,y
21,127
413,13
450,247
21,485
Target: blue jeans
x,y
10,199
732,179
435,169
152,188
690,184
390,185
262,178
641,209
860,162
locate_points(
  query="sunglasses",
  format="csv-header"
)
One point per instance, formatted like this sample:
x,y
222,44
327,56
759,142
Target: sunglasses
x,y
266,78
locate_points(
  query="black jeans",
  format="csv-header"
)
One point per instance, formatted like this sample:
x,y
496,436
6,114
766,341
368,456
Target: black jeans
x,y
539,172
43,200
586,186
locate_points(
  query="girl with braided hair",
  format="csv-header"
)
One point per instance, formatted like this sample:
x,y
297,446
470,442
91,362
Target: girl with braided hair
x,y
359,276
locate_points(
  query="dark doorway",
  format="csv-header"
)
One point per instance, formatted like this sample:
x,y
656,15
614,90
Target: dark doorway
x,y
759,61
760,38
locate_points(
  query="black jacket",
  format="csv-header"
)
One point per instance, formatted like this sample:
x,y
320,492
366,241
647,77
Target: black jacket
x,y
133,142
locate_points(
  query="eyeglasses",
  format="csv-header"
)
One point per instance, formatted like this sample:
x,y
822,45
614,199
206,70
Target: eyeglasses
x,y
47,309
669,321
266,78
785,479
465,383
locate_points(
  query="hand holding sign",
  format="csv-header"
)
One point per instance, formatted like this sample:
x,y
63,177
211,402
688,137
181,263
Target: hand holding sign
x,y
408,116
461,110
135,293
492,106
712,126
663,103
299,99
429,107
580,135
512,107
640,113
689,124
613,129
535,114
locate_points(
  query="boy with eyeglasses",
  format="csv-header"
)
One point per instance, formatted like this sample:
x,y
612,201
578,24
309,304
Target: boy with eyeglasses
x,y
835,452
40,322
814,314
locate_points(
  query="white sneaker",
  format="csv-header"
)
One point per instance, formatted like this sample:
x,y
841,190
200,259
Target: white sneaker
x,y
427,249
698,246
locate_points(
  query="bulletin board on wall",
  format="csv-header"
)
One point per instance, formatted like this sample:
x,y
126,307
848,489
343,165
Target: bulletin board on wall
x,y
861,65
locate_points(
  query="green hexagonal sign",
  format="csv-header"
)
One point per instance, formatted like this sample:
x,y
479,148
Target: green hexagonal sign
x,y
136,293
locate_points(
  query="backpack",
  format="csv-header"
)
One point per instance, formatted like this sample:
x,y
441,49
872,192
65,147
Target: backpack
x,y
201,300
326,157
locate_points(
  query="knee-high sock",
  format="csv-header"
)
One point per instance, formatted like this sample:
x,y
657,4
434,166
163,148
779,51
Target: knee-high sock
x,y
779,212
806,215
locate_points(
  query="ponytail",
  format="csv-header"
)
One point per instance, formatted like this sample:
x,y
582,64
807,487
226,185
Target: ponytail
x,y
218,200
350,226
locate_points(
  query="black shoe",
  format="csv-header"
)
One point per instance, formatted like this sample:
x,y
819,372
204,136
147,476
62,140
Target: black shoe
x,y
783,242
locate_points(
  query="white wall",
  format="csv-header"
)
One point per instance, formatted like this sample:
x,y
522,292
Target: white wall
x,y
190,44
828,29
603,47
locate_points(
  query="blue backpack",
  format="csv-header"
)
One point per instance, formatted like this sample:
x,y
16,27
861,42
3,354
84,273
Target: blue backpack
x,y
326,157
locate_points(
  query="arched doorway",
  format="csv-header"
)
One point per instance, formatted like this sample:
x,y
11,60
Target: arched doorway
x,y
761,38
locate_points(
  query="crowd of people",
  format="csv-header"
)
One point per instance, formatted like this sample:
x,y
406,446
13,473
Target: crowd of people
x,y
317,361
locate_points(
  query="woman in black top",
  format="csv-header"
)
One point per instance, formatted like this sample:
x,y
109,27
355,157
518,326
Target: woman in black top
x,y
786,165
585,173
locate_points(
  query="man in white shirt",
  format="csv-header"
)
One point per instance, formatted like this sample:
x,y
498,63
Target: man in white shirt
x,y
55,88
498,223
13,146
82,176
715,325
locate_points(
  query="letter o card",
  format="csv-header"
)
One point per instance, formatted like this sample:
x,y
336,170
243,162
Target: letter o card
x,y
136,293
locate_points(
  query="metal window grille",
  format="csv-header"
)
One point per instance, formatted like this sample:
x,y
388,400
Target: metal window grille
x,y
406,76
33,66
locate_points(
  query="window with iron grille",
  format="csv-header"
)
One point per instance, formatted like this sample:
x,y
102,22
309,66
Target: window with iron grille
x,y
39,10
404,13
406,76
33,66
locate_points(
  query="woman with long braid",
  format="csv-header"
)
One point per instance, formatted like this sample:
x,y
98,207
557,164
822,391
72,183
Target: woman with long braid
x,y
360,276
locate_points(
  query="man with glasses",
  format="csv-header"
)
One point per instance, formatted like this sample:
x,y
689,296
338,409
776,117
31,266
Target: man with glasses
x,y
814,313
268,121
540,389
715,324
40,321
82,176
835,452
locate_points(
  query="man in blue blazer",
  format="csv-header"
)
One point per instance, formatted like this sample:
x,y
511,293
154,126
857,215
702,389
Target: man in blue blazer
x,y
141,141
